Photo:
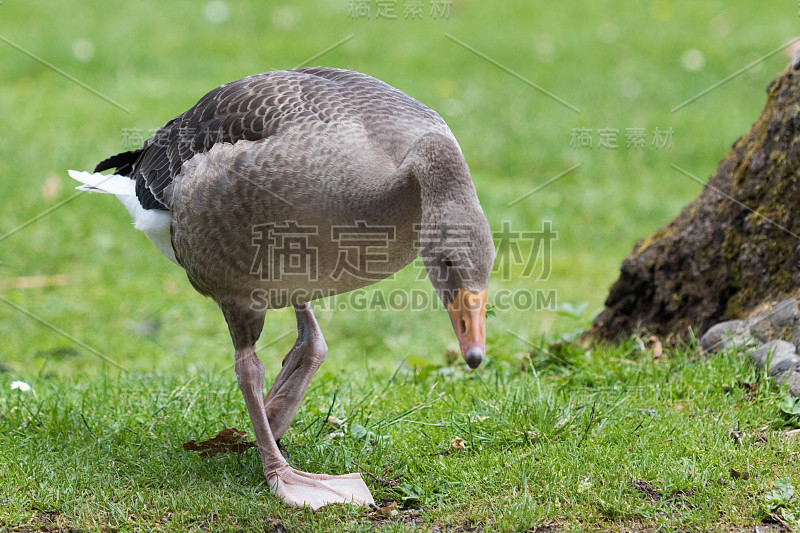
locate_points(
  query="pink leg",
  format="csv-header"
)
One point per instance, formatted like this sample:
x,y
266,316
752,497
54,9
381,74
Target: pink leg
x,y
299,366
293,486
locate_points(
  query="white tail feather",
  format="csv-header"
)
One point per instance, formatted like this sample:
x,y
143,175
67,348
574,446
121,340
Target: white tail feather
x,y
153,222
109,184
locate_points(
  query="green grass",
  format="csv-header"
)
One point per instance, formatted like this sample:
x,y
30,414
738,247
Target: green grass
x,y
101,448
567,445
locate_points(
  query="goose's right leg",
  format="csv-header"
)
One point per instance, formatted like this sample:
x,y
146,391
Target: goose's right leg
x,y
299,366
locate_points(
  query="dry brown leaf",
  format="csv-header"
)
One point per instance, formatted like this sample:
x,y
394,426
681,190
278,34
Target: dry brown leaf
x,y
335,422
658,349
736,474
388,510
750,389
458,444
227,440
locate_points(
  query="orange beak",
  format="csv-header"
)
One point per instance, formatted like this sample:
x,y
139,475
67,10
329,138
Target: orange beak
x,y
468,315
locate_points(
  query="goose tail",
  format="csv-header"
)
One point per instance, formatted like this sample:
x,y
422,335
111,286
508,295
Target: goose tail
x,y
104,183
154,223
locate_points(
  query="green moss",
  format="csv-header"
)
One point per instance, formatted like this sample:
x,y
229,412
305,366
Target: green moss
x,y
778,158
774,213
731,248
677,299
644,244
734,308
782,281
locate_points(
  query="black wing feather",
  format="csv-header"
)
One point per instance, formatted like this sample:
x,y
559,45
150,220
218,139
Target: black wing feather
x,y
122,162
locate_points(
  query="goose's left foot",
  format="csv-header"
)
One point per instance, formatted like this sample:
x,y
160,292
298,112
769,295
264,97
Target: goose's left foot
x,y
315,490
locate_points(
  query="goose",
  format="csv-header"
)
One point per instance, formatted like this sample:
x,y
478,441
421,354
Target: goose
x,y
265,192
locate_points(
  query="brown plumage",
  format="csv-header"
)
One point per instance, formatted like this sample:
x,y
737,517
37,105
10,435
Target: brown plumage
x,y
313,153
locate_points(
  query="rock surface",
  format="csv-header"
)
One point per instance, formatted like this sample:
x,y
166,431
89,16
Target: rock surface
x,y
731,249
776,353
781,322
793,383
726,335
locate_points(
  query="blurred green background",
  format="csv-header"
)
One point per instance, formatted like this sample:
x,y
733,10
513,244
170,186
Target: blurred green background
x,y
624,65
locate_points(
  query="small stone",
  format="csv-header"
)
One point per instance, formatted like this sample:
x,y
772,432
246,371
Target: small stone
x,y
775,351
784,366
725,335
783,371
793,383
783,314
760,326
794,335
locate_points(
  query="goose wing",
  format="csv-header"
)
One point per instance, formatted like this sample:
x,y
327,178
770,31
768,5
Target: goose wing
x,y
260,106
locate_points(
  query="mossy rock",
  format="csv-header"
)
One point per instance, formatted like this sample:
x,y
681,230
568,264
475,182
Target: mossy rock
x,y
730,250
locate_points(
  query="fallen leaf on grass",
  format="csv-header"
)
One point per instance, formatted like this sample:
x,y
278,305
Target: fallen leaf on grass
x,y
227,440
750,389
387,510
658,350
737,474
458,444
335,422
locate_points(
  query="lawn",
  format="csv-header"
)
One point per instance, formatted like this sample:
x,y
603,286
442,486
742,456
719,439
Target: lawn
x,y
127,362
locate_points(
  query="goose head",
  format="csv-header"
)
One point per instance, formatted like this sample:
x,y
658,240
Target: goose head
x,y
458,254
455,241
